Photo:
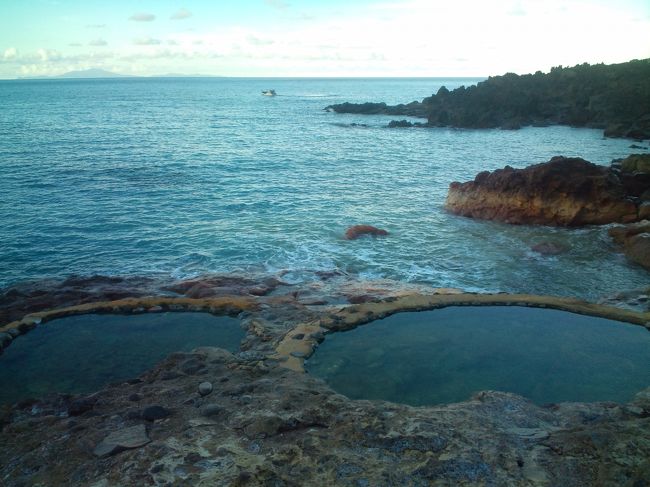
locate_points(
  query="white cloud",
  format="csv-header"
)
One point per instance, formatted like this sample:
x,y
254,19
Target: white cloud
x,y
10,53
142,17
146,41
181,14
279,4
46,55
98,43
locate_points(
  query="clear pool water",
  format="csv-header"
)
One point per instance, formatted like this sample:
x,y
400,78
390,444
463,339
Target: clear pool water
x,y
446,355
81,354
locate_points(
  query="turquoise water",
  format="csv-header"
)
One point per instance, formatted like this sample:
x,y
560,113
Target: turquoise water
x,y
84,353
446,355
187,176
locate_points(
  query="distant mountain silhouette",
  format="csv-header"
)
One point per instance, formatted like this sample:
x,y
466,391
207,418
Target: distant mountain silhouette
x,y
91,73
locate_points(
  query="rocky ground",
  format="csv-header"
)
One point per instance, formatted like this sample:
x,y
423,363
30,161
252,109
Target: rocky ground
x,y
256,418
567,192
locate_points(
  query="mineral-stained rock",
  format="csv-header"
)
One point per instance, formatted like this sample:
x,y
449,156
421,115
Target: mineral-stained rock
x,y
561,192
357,231
124,439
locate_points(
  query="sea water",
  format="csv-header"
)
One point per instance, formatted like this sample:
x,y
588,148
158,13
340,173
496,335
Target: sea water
x,y
187,176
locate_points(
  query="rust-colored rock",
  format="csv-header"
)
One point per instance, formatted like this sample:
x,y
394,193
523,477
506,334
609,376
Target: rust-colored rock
x,y
357,231
561,192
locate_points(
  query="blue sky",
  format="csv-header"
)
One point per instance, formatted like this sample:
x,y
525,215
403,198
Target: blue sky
x,y
318,38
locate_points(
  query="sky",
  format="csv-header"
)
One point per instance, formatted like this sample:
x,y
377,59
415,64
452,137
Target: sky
x,y
390,38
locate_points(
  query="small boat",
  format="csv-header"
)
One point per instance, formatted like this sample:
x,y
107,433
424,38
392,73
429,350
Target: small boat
x,y
269,93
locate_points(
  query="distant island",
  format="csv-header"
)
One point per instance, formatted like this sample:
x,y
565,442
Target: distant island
x,y
96,73
92,73
613,97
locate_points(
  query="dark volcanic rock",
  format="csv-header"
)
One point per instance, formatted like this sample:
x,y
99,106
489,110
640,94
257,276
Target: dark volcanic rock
x,y
357,231
561,192
611,97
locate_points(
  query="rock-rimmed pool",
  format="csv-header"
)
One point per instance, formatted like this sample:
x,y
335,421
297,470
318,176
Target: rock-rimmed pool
x,y
446,355
83,353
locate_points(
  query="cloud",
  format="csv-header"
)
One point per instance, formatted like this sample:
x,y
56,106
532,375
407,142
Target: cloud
x,y
146,41
256,41
181,14
10,53
46,55
172,42
278,4
142,17
98,43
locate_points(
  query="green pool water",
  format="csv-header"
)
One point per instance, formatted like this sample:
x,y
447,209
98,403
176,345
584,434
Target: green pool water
x,y
84,353
446,355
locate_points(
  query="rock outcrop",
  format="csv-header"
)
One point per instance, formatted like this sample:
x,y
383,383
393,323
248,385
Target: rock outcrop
x,y
265,422
635,241
611,97
561,192
357,231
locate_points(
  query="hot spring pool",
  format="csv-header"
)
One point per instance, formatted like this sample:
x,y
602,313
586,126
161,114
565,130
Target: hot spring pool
x,y
446,355
84,353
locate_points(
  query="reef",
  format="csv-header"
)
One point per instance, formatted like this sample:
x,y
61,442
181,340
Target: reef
x,y
210,417
610,97
561,192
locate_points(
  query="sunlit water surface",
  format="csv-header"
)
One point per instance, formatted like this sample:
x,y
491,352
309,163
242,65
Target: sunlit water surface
x,y
447,355
186,176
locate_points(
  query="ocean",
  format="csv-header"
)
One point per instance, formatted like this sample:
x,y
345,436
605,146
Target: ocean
x,y
189,176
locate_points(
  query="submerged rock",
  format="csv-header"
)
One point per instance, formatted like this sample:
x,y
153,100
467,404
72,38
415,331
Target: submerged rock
x,y
561,192
357,231
549,248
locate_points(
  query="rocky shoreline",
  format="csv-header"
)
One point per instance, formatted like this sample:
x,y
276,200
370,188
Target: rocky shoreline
x,y
255,418
568,192
610,97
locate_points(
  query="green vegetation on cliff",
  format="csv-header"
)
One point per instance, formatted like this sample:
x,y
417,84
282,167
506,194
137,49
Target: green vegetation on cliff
x,y
612,97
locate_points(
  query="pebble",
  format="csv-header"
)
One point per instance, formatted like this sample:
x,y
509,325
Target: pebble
x,y
205,388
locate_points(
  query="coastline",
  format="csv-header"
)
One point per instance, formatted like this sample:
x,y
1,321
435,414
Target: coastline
x,y
266,417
